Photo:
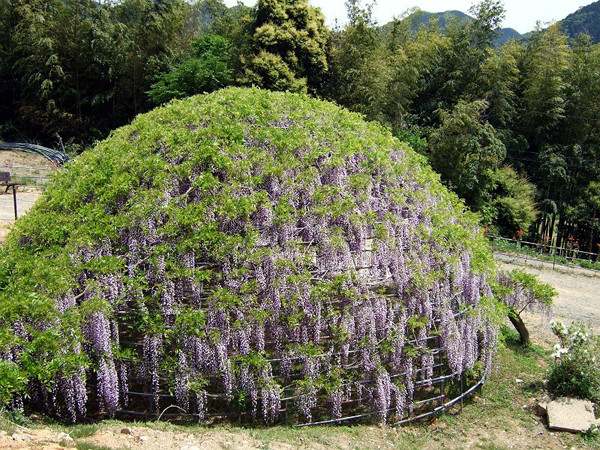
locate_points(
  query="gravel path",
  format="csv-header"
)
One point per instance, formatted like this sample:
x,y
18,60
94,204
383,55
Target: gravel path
x,y
578,289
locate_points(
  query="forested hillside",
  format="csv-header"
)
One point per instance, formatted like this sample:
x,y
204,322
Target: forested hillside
x,y
514,129
585,20
418,19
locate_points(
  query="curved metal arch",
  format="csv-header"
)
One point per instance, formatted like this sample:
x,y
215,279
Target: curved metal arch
x,y
50,154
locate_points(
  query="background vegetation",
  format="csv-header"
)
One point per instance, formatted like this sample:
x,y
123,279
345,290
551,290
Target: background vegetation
x,y
510,124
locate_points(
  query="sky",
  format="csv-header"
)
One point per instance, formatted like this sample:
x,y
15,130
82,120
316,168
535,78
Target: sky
x,y
522,15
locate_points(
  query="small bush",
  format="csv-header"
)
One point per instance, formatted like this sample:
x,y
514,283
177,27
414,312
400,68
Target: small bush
x,y
576,369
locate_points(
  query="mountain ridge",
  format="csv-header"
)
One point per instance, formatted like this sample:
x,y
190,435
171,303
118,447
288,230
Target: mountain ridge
x,y
420,18
585,20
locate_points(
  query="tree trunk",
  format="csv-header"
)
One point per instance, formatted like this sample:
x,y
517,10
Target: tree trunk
x,y
518,323
551,234
591,243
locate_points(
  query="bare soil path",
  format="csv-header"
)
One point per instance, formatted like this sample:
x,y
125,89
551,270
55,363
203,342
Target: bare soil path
x,y
31,172
26,197
578,289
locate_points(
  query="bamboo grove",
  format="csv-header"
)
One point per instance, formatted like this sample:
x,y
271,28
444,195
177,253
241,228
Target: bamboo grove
x,y
512,129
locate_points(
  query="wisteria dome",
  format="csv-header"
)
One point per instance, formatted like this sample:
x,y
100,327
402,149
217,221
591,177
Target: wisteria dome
x,y
260,255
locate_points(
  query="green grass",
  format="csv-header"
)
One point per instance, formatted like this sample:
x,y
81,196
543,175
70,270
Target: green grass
x,y
87,446
83,430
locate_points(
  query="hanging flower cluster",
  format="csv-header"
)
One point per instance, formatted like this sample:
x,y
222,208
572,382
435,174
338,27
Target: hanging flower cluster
x,y
247,252
522,292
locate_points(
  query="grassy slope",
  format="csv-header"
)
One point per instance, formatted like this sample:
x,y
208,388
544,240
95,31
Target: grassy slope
x,y
495,419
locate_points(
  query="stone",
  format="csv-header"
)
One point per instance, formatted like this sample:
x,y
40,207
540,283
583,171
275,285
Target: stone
x,y
65,440
569,414
21,437
126,430
519,381
540,409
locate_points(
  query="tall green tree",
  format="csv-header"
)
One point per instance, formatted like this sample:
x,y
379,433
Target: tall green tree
x,y
208,69
544,94
154,40
62,59
510,206
288,46
360,70
465,150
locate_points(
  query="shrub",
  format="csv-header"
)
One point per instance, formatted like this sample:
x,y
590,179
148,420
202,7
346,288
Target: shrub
x,y
230,250
519,292
575,371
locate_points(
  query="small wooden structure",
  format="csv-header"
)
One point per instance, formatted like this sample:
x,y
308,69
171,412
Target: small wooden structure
x,y
5,180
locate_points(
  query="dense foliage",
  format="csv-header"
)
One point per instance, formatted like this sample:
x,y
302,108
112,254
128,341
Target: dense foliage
x,y
208,69
72,70
528,105
585,20
288,44
233,249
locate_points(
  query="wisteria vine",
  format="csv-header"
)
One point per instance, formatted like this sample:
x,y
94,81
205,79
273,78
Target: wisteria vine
x,y
313,270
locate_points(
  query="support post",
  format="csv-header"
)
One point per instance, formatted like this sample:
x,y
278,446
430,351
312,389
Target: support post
x,y
14,189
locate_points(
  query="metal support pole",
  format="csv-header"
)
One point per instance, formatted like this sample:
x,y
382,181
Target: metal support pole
x,y
14,189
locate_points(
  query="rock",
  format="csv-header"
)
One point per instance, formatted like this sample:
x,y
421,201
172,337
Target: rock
x,y
568,414
22,437
65,440
519,381
540,409
126,430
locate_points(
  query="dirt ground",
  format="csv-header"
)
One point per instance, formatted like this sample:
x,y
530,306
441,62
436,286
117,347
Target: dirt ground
x,y
26,168
26,197
578,291
31,172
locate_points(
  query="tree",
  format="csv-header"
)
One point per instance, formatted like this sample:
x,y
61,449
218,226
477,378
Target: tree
x,y
207,70
546,63
81,67
155,40
214,17
360,67
62,57
410,65
520,292
465,150
510,206
288,46
499,81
